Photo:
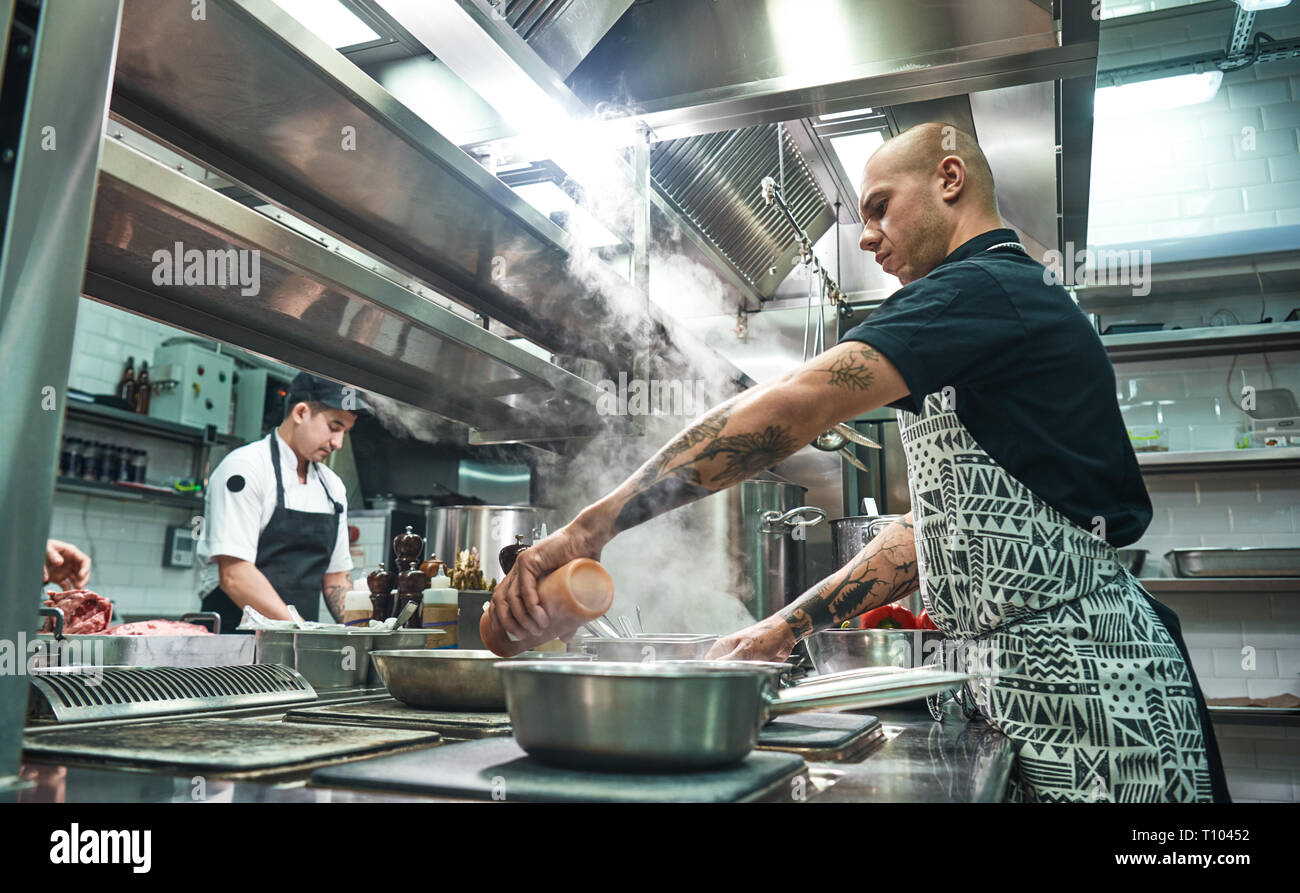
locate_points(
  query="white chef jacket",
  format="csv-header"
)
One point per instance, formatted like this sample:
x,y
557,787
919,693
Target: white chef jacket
x,y
240,499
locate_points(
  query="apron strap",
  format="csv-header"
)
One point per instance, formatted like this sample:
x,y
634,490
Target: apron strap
x,y
338,509
275,464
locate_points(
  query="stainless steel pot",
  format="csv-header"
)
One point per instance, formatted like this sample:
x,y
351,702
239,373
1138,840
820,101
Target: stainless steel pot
x,y
836,650
849,535
449,529
669,717
769,522
449,680
330,659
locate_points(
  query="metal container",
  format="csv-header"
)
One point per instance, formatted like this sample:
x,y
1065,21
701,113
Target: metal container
x,y
673,717
837,650
449,529
330,659
849,535
450,679
144,651
649,648
768,520
1247,561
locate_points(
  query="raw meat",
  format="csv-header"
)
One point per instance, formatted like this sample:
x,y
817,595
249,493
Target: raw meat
x,y
84,612
159,628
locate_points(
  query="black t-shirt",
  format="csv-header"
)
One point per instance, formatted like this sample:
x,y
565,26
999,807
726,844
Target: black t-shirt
x,y
1033,383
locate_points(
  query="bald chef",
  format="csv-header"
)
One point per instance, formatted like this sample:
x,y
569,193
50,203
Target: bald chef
x,y
276,528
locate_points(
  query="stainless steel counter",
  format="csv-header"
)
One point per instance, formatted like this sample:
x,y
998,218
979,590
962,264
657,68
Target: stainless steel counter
x,y
920,760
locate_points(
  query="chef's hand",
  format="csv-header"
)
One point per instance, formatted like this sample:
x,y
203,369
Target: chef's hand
x,y
66,565
769,639
515,606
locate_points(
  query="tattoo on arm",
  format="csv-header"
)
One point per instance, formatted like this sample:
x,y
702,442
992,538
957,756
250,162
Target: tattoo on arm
x,y
853,371
875,577
334,600
660,488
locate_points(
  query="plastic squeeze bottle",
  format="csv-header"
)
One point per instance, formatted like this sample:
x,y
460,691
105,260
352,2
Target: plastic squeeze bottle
x,y
571,595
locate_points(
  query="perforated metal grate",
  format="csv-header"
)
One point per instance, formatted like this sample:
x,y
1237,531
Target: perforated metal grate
x,y
714,181
81,694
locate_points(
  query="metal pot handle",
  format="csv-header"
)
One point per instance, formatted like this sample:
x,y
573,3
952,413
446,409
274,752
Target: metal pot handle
x,y
57,614
212,618
859,693
771,518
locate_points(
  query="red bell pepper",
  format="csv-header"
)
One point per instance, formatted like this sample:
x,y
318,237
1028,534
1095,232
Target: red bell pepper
x,y
889,617
924,622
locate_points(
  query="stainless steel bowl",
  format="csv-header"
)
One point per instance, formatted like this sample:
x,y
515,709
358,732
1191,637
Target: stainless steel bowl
x,y
836,650
649,648
450,679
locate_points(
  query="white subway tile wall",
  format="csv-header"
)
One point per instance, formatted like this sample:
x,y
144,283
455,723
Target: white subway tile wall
x,y
1223,165
1196,402
125,543
105,337
124,539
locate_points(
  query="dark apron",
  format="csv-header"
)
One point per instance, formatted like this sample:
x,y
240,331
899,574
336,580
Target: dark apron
x,y
293,553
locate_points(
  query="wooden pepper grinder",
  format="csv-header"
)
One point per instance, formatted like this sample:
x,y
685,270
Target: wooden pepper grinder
x,y
412,581
380,582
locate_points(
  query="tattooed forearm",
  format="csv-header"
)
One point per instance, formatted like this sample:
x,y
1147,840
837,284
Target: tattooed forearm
x,y
883,572
674,477
853,371
334,595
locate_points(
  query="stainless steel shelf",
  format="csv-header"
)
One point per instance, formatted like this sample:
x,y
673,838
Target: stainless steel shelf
x,y
1156,585
104,490
1201,342
1219,460
1289,716
315,309
111,416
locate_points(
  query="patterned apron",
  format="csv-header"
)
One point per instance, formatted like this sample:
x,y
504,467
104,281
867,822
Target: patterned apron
x,y
1079,671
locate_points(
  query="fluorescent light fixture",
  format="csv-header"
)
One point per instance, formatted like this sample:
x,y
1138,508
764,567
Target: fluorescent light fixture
x,y
329,20
1257,5
854,150
1163,93
835,116
548,198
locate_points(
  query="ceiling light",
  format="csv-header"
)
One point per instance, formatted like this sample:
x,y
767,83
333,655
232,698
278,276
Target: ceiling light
x,y
854,150
1161,93
549,198
1257,5
835,116
329,20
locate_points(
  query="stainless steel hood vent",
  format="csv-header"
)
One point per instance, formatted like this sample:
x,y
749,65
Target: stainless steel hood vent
x,y
313,308
251,93
713,181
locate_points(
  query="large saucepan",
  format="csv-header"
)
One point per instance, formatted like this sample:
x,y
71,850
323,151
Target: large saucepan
x,y
451,679
676,716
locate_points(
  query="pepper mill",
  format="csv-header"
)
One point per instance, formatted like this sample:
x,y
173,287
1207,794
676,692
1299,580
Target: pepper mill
x,y
411,582
380,583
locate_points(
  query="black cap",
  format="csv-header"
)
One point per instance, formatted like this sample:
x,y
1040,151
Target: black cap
x,y
307,388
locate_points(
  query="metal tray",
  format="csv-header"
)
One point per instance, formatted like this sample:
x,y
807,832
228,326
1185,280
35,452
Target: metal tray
x,y
1241,562
144,651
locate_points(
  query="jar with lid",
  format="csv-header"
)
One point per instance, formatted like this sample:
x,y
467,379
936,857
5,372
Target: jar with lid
x,y
69,455
139,465
93,468
112,463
